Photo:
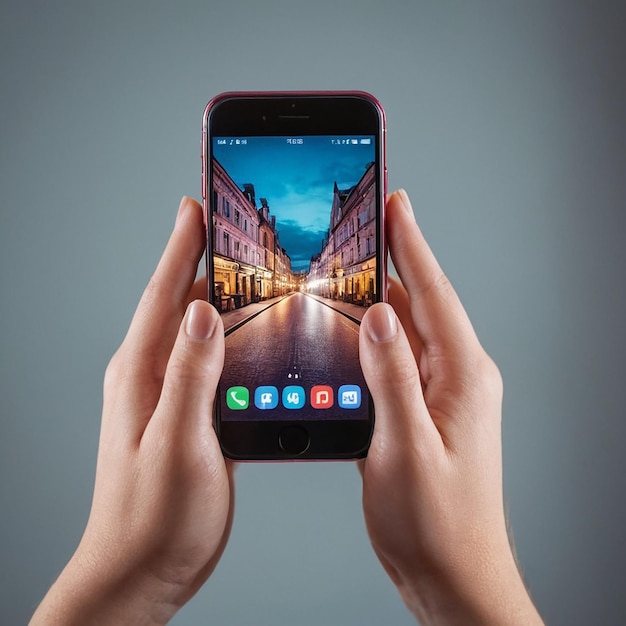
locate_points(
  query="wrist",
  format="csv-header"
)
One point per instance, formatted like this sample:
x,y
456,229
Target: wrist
x,y
85,592
483,587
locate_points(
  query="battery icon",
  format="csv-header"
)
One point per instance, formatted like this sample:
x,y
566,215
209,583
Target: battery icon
x,y
366,141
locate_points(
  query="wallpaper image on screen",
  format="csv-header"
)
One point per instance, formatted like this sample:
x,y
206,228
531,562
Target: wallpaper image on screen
x,y
294,260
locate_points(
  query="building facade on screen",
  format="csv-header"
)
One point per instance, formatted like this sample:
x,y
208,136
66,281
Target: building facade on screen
x,y
250,265
345,267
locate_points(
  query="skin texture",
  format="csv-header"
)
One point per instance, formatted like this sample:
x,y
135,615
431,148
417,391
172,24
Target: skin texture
x,y
163,500
432,482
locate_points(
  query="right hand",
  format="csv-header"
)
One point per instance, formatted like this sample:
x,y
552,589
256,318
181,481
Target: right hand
x,y
432,480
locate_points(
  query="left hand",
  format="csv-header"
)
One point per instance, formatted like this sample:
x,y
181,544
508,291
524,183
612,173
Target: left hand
x,y
163,498
432,479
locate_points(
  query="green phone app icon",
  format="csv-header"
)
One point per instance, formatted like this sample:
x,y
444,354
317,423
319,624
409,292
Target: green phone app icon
x,y
238,398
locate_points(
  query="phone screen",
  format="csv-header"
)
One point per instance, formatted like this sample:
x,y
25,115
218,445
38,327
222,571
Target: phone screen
x,y
295,230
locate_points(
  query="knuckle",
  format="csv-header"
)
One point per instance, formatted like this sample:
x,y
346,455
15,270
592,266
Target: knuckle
x,y
185,371
190,364
438,282
152,290
489,375
496,381
399,371
114,372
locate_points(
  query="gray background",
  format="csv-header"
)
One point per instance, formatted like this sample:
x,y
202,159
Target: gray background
x,y
507,127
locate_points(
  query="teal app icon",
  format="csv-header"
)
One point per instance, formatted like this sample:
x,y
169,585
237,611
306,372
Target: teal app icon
x,y
294,397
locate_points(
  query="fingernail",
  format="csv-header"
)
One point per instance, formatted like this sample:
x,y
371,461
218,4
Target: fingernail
x,y
405,202
382,323
201,320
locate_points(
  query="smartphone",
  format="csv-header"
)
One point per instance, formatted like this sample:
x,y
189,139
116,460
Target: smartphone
x,y
294,188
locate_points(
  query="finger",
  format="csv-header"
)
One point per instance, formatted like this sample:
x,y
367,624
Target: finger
x,y
438,315
180,438
134,375
399,300
403,424
186,404
155,324
198,291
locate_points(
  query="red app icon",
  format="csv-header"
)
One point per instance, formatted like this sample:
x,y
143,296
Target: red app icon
x,y
321,397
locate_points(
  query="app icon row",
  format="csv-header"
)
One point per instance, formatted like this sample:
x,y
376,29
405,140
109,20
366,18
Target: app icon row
x,y
267,397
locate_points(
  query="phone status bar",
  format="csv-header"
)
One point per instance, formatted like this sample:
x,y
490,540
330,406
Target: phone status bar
x,y
295,141
366,141
232,142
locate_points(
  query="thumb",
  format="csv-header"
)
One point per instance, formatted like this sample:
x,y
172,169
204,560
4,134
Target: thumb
x,y
192,374
403,422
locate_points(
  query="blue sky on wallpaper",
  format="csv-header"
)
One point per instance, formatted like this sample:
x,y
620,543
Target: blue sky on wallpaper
x,y
297,180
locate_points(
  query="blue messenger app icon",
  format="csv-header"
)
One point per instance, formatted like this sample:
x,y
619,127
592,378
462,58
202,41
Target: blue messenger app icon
x,y
293,397
266,397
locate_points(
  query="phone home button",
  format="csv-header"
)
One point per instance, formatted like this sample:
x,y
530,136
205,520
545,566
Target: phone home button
x,y
294,440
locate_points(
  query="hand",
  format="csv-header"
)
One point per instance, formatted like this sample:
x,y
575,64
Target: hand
x,y
432,480
163,500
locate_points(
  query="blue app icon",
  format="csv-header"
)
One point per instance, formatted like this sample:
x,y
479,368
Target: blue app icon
x,y
293,397
266,397
349,397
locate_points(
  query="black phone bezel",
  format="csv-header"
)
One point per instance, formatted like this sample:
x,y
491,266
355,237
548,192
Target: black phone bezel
x,y
286,114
